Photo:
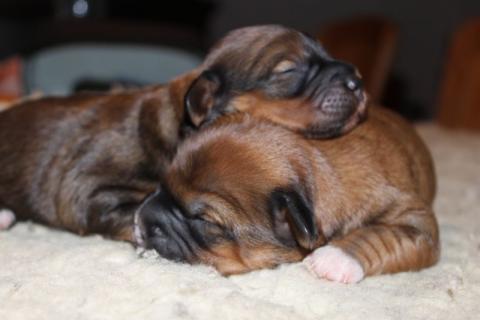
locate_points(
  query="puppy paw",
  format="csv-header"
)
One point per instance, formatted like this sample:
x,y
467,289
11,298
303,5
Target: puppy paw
x,y
334,264
7,218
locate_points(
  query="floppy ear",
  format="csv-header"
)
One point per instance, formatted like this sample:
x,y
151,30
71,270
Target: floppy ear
x,y
293,220
201,97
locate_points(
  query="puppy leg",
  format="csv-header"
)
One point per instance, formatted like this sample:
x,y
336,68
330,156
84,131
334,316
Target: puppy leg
x,y
116,224
7,219
111,211
398,241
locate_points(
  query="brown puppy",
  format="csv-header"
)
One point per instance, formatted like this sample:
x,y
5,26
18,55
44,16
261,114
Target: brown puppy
x,y
86,163
281,75
246,194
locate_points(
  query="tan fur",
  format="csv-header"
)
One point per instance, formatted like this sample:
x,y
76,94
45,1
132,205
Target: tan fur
x,y
295,114
385,180
372,191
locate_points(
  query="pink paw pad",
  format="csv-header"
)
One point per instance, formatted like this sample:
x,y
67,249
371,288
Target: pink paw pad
x,y
334,264
7,218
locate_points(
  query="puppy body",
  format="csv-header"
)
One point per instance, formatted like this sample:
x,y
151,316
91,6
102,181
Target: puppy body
x,y
274,196
384,182
82,163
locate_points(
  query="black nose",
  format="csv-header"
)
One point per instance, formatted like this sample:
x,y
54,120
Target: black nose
x,y
352,83
340,73
166,227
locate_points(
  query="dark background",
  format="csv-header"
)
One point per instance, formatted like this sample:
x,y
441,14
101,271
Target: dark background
x,y
425,29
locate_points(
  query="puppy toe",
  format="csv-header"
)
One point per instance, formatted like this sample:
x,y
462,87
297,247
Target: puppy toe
x,y
7,218
334,264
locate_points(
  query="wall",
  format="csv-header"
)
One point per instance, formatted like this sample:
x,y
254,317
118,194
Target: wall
x,y
425,28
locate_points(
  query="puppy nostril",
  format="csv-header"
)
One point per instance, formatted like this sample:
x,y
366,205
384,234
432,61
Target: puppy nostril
x,y
353,84
157,231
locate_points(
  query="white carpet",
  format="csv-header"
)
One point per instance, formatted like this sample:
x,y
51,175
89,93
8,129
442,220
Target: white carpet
x,y
46,274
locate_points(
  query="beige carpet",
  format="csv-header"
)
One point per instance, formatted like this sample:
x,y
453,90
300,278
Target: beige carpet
x,y
46,274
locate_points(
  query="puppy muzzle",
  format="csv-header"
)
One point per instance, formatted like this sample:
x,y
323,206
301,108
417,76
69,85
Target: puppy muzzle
x,y
160,224
336,90
335,101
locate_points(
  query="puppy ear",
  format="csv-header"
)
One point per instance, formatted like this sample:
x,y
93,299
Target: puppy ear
x,y
294,220
201,97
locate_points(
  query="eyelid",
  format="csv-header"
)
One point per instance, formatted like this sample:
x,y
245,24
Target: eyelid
x,y
208,219
199,212
212,218
285,66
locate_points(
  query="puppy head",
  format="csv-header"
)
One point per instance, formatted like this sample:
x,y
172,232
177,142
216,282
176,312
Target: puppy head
x,y
279,74
234,201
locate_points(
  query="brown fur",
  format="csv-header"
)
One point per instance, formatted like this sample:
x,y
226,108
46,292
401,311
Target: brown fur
x,y
371,192
295,114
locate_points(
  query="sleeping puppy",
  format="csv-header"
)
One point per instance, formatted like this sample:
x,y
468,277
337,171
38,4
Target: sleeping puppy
x,y
246,194
86,163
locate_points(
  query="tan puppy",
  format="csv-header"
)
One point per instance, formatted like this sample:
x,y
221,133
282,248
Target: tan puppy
x,y
247,194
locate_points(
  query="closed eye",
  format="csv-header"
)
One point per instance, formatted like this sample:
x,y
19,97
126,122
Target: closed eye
x,y
208,230
205,218
200,211
285,66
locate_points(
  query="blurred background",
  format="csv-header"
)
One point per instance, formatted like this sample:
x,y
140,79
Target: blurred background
x,y
421,58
